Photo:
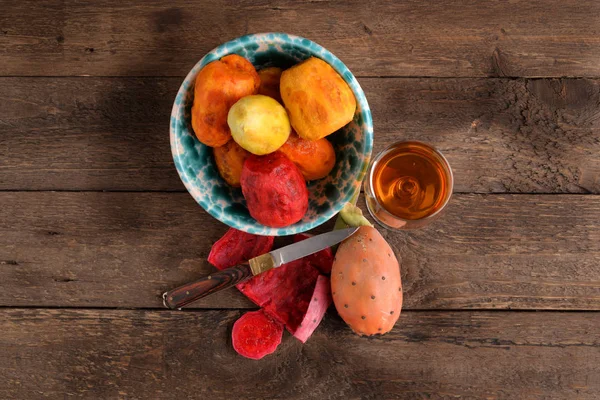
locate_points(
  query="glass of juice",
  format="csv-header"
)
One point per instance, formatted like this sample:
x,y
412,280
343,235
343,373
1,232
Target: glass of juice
x,y
408,185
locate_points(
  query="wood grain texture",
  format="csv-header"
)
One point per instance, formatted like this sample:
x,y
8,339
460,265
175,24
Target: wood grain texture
x,y
126,249
86,133
408,38
500,135
173,355
491,251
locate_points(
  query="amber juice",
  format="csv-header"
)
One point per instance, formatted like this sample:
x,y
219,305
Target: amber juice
x,y
407,183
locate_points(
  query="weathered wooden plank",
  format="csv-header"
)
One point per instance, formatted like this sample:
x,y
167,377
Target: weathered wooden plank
x,y
124,249
86,134
500,135
529,136
433,38
149,354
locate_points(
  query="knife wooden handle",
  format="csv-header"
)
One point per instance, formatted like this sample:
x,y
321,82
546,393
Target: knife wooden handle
x,y
193,291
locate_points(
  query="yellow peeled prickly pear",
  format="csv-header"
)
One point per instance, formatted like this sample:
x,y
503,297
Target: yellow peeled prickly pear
x,y
259,124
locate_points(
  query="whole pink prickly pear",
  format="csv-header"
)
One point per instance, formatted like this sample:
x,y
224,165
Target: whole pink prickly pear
x,y
365,283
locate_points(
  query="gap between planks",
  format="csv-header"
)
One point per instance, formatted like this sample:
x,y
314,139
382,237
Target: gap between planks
x,y
206,309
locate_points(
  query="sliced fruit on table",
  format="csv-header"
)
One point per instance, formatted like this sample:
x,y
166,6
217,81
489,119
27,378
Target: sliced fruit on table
x,y
256,335
236,247
284,293
319,303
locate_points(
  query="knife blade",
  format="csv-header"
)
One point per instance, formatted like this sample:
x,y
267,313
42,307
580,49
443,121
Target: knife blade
x,y
309,246
226,278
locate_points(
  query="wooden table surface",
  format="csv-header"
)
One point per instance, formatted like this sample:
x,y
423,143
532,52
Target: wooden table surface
x,y
502,295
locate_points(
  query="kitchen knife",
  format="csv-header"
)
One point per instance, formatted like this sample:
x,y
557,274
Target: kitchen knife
x,y
223,279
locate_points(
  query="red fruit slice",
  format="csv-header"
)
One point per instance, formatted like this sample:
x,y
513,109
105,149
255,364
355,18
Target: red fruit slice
x,y
255,335
284,292
321,300
323,260
236,247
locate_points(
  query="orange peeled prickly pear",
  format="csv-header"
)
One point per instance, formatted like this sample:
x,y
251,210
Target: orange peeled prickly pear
x,y
274,189
230,160
365,283
269,82
218,86
314,158
318,100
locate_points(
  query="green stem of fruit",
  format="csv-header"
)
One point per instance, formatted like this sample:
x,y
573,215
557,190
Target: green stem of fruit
x,y
340,223
350,216
353,216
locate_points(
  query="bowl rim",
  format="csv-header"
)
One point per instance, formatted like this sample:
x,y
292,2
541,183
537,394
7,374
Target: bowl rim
x,y
231,47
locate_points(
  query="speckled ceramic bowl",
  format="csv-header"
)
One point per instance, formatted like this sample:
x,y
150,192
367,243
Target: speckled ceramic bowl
x,y
195,164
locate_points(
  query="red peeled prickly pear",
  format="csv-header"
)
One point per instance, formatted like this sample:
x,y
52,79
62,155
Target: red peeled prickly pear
x,y
274,189
236,247
365,283
256,335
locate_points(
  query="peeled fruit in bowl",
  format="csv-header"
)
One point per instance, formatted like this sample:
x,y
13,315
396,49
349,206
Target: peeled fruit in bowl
x,y
314,158
217,87
274,189
269,82
230,159
317,99
259,124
